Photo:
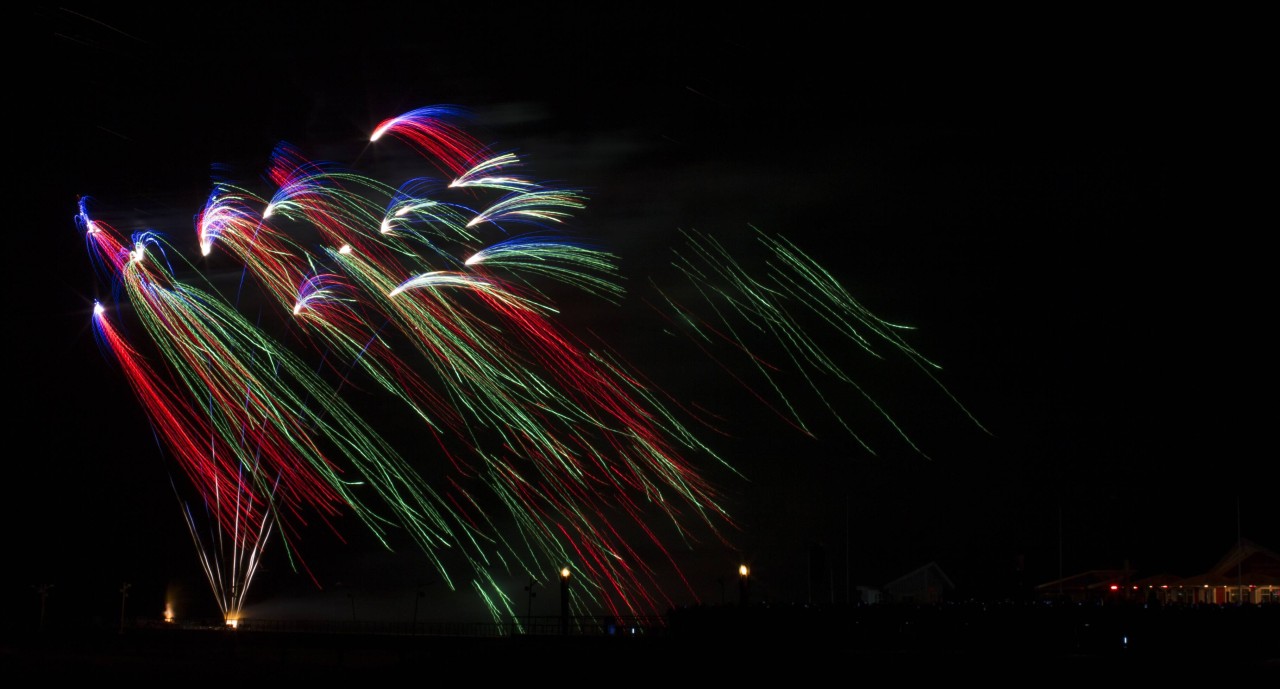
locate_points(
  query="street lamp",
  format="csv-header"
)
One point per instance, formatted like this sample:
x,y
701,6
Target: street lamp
x,y
417,598
744,583
124,595
529,609
564,600
43,590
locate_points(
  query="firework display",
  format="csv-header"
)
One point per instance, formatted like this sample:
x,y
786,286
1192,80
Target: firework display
x,y
432,305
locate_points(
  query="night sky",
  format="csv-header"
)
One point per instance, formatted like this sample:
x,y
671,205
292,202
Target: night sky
x,y
1053,211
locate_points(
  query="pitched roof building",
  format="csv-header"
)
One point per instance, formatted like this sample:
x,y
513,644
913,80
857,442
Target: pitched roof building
x,y
1247,573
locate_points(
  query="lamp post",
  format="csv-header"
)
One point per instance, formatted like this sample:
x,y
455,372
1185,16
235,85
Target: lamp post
x,y
564,600
417,598
744,584
528,617
124,595
43,590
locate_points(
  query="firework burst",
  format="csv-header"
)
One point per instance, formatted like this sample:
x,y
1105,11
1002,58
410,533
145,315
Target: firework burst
x,y
437,294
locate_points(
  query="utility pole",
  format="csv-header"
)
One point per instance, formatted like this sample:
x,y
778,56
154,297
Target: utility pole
x,y
1059,547
1239,555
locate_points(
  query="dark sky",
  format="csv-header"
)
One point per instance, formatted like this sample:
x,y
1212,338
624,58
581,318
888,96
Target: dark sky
x,y
1052,210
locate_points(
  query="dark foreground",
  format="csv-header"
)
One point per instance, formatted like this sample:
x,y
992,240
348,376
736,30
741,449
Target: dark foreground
x,y
1000,646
